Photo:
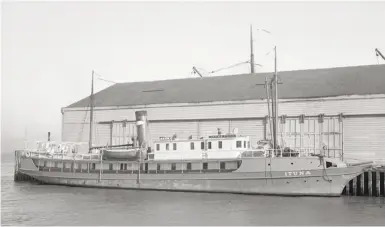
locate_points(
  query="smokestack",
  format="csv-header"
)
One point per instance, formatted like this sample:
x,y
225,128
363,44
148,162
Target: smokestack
x,y
141,126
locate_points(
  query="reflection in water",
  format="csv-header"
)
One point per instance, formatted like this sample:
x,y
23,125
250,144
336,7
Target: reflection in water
x,y
33,204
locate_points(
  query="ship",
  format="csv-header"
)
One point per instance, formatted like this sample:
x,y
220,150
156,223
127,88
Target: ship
x,y
220,163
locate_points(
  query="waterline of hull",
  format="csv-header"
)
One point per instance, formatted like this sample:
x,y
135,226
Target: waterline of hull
x,y
299,186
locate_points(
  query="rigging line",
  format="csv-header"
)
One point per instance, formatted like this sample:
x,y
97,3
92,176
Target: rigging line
x,y
110,81
100,77
83,123
245,62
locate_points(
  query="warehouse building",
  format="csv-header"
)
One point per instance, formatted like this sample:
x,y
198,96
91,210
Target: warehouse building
x,y
340,108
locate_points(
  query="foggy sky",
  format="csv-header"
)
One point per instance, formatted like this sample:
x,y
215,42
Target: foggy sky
x,y
50,49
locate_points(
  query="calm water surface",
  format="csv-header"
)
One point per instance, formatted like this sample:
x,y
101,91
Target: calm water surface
x,y
31,204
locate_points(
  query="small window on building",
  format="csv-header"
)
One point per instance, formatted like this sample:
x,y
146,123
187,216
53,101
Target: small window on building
x,y
205,165
219,144
202,145
192,145
45,163
158,167
188,166
125,166
209,145
244,144
93,166
157,146
56,164
111,167
174,146
167,146
173,166
121,166
239,144
223,165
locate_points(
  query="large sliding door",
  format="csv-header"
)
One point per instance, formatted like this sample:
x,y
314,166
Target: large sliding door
x,y
311,134
122,133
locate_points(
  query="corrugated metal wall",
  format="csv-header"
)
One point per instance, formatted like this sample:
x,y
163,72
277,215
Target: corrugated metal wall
x,y
207,128
233,111
78,132
198,120
253,128
167,129
364,137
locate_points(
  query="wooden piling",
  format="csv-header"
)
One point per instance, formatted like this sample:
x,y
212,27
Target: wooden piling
x,y
370,182
359,185
351,187
347,189
382,184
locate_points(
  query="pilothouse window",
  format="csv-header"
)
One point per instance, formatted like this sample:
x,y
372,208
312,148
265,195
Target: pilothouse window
x,y
167,146
157,146
209,145
239,144
192,145
202,145
244,144
174,146
220,144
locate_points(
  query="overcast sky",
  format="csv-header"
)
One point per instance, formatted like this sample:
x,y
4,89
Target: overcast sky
x,y
50,49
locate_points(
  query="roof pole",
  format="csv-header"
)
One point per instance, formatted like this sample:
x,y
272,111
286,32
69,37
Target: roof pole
x,y
251,50
91,111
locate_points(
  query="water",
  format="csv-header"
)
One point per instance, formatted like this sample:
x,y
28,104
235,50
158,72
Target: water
x,y
32,204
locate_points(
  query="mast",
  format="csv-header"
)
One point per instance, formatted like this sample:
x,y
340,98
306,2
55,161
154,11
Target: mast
x,y
268,107
251,50
91,110
275,99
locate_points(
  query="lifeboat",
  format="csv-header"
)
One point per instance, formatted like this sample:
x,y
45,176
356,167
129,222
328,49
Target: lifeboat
x,y
123,154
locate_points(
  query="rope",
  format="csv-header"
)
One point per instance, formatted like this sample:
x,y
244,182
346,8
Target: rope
x,y
231,66
100,77
84,120
324,172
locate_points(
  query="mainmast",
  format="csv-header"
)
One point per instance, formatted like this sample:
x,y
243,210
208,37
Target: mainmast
x,y
275,100
251,50
91,110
